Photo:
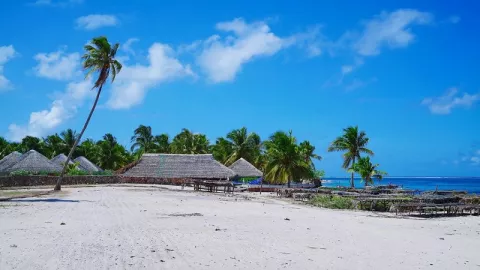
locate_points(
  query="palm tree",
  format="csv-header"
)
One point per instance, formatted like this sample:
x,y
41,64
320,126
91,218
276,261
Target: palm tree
x,y
187,142
99,58
89,149
352,142
244,145
31,143
69,138
53,145
222,150
111,155
5,147
285,161
367,170
142,139
308,152
161,143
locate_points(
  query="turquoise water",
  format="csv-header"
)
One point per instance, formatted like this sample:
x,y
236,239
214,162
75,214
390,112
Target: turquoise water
x,y
470,184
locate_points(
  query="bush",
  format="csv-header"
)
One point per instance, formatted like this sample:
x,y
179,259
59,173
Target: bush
x,y
77,172
20,172
106,173
332,202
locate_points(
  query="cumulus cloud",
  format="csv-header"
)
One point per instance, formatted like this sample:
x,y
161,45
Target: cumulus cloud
x,y
221,58
134,81
391,30
127,46
63,107
6,54
57,65
449,101
95,21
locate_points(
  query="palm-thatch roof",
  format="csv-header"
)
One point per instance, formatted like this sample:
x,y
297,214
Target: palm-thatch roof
x,y
9,160
86,165
33,161
202,166
244,168
60,160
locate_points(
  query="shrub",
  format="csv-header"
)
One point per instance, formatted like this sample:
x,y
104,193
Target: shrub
x,y
332,202
20,172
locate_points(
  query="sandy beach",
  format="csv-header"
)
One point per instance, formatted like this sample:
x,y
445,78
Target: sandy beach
x,y
131,227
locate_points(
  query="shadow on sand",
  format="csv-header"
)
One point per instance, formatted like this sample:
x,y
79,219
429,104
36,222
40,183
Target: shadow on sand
x,y
44,200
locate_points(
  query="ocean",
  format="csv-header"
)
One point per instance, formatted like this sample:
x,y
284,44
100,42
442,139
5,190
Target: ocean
x,y
469,184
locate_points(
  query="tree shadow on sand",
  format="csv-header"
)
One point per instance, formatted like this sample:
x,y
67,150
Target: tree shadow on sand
x,y
45,200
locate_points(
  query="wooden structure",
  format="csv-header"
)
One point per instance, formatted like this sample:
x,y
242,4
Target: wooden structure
x,y
213,186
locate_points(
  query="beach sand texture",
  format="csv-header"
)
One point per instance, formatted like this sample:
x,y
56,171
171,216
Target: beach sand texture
x,y
127,227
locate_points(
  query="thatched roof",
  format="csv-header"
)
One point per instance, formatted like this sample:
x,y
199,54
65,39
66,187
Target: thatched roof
x,y
9,160
33,161
86,165
244,168
180,166
60,160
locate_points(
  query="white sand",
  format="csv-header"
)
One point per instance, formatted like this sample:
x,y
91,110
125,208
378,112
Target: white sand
x,y
132,228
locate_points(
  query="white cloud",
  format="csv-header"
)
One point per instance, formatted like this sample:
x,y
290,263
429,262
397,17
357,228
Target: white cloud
x,y
53,3
475,160
347,69
127,46
95,21
454,19
6,54
221,58
57,65
356,84
62,108
450,100
392,30
133,82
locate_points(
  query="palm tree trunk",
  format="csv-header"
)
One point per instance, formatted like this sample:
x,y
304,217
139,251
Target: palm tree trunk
x,y
59,181
352,183
288,183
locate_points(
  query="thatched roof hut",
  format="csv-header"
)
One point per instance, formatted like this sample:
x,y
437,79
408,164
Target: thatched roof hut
x,y
86,165
33,161
9,160
244,168
202,166
60,160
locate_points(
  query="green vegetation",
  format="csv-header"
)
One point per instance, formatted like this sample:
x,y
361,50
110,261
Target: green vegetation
x,y
353,142
332,202
286,160
367,170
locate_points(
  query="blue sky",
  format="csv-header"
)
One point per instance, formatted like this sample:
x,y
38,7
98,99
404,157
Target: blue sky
x,y
406,73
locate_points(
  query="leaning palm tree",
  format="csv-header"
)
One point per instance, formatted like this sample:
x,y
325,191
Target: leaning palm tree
x,y
352,142
367,170
99,58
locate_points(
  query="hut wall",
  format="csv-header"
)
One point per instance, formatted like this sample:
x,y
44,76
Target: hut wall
x,y
40,180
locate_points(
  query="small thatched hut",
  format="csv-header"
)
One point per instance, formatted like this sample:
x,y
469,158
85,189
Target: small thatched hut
x,y
245,169
86,165
203,167
60,160
9,160
33,162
